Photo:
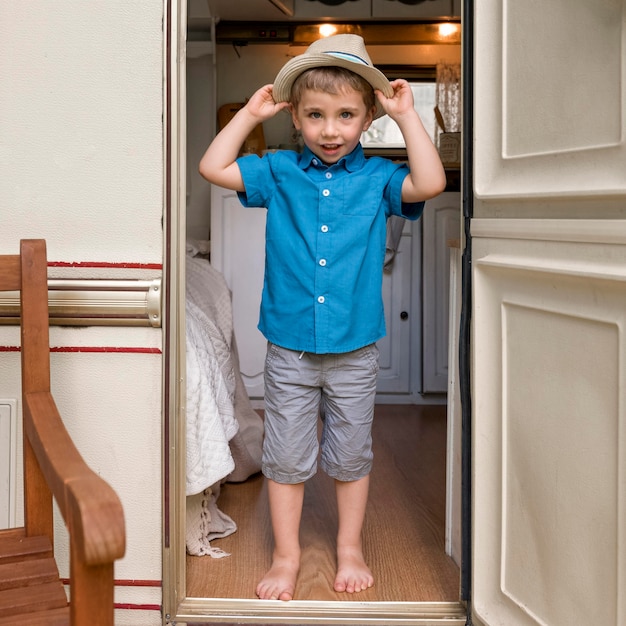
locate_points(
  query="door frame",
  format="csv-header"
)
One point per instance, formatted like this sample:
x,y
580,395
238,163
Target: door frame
x,y
465,322
177,606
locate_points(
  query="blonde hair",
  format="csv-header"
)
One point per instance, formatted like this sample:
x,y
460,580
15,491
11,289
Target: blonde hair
x,y
334,80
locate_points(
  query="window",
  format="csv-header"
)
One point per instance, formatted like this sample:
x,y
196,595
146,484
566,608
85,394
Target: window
x,y
384,136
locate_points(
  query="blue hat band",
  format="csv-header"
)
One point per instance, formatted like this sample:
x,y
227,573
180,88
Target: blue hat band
x,y
346,56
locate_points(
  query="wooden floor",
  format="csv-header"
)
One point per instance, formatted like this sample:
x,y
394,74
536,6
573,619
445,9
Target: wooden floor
x,y
403,533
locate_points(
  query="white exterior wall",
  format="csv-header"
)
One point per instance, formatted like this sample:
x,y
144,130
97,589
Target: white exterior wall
x,y
81,165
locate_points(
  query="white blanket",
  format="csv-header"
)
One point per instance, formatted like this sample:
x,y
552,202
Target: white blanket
x,y
211,422
224,433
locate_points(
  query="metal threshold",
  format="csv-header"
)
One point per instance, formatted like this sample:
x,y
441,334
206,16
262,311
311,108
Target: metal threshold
x,y
302,613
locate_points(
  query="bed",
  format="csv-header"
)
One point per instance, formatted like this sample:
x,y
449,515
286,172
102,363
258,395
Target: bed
x,y
224,433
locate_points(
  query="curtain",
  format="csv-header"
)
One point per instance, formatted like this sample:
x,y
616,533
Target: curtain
x,y
448,95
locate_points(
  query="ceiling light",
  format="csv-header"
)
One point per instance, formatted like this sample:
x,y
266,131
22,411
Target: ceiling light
x,y
383,33
305,34
447,29
326,30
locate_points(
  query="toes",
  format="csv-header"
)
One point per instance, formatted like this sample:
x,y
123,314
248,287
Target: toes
x,y
352,585
273,592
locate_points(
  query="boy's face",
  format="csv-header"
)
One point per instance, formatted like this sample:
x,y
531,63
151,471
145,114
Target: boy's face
x,y
331,124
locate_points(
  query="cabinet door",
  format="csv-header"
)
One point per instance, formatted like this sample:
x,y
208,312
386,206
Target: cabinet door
x,y
350,8
238,251
427,8
441,223
394,376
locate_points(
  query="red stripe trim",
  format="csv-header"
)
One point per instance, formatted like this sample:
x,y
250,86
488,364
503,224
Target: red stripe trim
x,y
132,606
111,349
99,349
101,264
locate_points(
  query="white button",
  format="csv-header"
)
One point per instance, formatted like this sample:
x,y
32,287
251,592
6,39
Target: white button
x,y
329,175
315,162
324,228
322,262
326,192
320,299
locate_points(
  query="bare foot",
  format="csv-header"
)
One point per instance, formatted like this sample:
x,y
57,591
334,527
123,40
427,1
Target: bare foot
x,y
280,581
353,575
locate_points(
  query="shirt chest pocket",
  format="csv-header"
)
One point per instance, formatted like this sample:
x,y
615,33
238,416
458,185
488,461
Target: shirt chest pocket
x,y
355,195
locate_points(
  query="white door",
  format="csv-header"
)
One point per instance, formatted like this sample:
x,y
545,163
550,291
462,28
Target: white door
x,y
549,313
238,251
394,375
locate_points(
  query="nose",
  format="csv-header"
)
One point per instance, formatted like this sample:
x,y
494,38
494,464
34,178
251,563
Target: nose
x,y
330,128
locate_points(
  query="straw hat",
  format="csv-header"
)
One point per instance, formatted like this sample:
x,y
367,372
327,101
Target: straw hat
x,y
347,51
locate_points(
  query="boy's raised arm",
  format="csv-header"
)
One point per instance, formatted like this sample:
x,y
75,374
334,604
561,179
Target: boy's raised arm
x,y
218,165
427,176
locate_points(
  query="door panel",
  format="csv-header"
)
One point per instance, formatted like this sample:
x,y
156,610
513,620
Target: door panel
x,y
549,472
549,313
549,112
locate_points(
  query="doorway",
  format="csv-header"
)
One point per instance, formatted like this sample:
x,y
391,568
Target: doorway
x,y
409,478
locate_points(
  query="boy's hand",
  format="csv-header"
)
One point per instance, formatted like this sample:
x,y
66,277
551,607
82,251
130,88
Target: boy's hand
x,y
426,177
401,102
219,163
262,106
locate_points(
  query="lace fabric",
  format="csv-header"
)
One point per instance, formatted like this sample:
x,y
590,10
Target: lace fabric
x,y
448,95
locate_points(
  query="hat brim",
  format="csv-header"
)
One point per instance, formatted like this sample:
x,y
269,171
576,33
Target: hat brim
x,y
294,67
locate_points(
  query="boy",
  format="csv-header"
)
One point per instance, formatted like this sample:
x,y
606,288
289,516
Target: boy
x,y
321,309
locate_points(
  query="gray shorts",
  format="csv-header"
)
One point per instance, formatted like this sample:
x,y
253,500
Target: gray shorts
x,y
299,388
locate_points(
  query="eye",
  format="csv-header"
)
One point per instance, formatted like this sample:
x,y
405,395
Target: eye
x,y
316,115
346,115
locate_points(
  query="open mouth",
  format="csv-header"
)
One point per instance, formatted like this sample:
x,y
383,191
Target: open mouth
x,y
331,148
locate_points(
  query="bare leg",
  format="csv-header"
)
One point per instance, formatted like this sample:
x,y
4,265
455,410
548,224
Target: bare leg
x,y
279,582
353,574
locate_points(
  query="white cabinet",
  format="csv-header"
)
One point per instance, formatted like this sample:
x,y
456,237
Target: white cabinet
x,y
363,9
398,9
238,251
441,223
355,9
394,376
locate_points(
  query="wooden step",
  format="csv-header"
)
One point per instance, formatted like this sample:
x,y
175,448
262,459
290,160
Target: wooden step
x,y
55,617
28,572
15,547
30,587
33,598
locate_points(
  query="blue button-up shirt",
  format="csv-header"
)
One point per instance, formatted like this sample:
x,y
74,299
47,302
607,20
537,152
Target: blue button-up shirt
x,y
324,245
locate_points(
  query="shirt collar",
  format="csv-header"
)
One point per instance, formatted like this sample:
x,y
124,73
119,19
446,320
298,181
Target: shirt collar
x,y
352,162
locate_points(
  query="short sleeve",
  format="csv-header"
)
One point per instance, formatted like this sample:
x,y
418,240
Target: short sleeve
x,y
257,180
408,210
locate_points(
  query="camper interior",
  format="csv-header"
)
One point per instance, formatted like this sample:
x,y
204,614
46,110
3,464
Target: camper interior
x,y
412,533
